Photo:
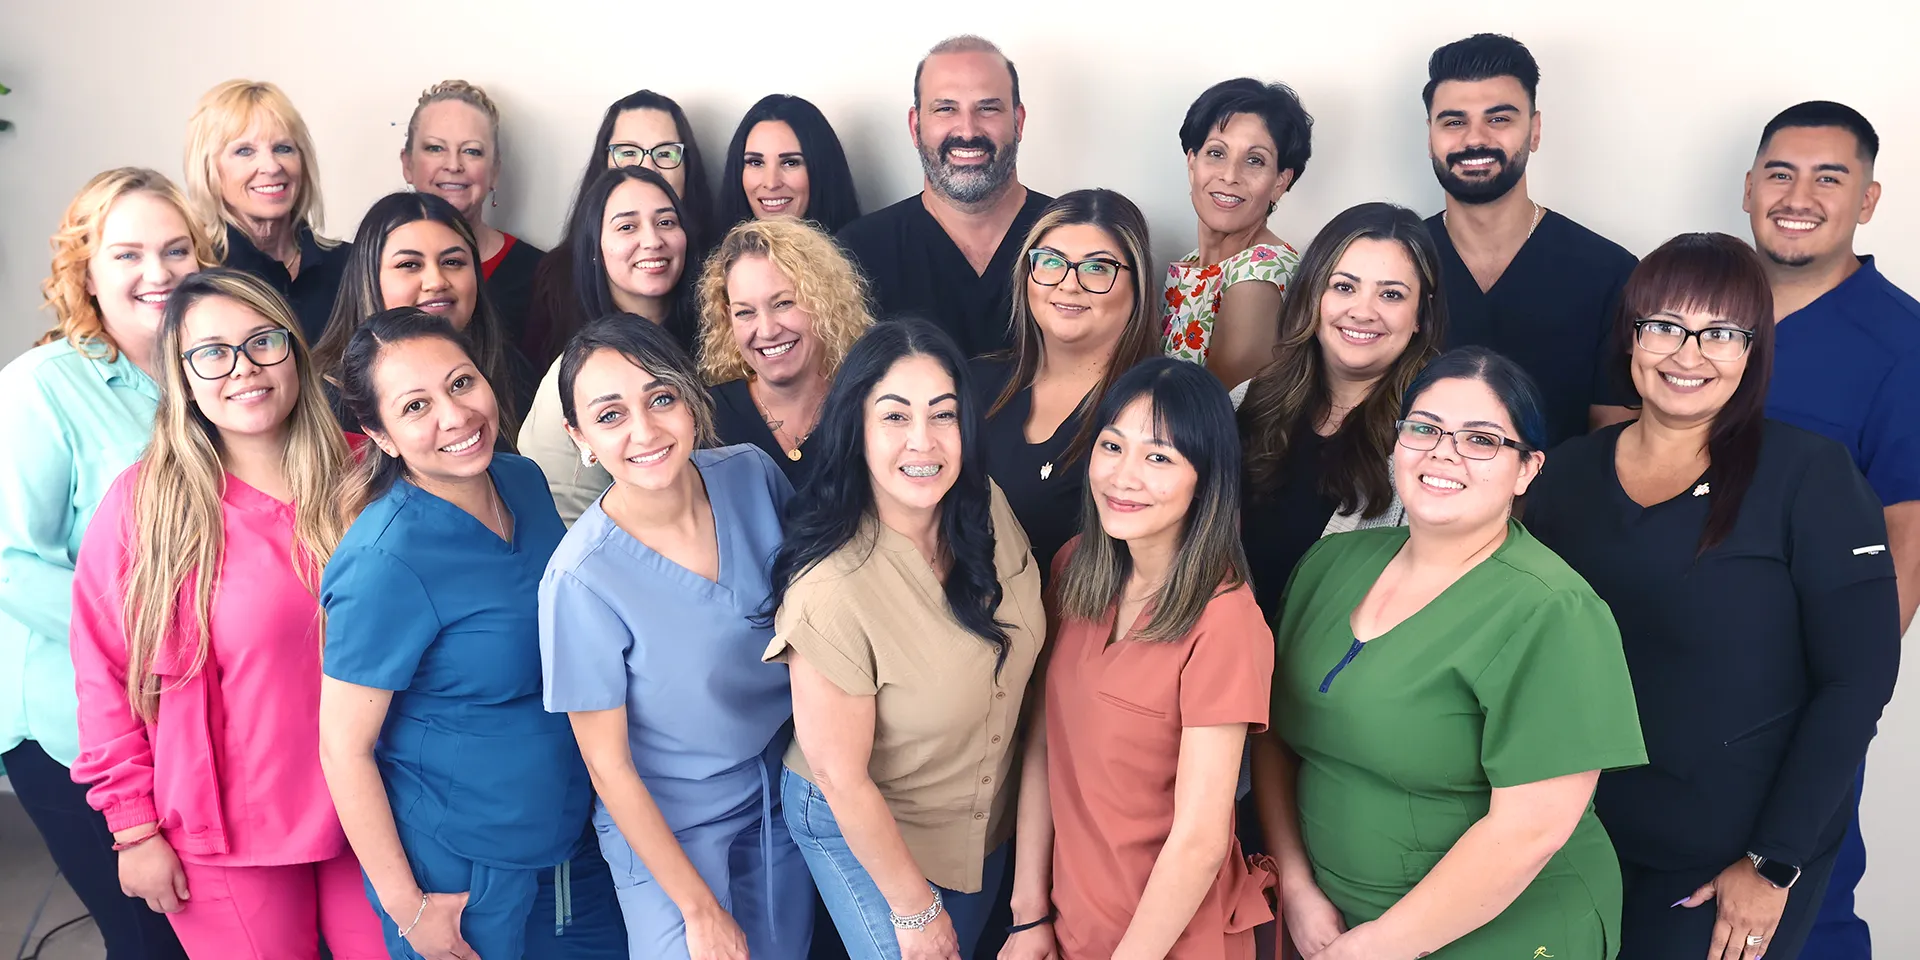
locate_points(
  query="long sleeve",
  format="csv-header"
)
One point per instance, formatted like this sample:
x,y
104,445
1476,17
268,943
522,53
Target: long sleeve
x,y
116,757
36,511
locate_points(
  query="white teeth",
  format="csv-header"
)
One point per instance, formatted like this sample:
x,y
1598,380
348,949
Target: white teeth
x,y
1476,162
968,154
1359,336
1227,199
1681,382
776,203
276,188
1071,307
1441,483
779,351
153,298
921,470
650,458
655,264
250,394
463,445
1795,224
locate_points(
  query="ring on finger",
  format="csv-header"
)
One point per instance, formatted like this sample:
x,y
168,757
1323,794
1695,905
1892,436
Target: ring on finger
x,y
1754,939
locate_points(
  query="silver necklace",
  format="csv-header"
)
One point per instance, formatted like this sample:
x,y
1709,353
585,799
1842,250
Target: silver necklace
x,y
498,520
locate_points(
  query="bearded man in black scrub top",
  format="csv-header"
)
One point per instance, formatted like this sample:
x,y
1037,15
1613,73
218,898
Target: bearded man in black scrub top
x,y
947,254
1519,279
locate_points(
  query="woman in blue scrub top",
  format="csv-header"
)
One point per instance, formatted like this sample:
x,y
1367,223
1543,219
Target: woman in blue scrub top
x,y
647,645
457,790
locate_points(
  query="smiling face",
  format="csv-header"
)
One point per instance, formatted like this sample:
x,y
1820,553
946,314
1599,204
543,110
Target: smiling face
x,y
642,243
636,425
1066,312
1808,190
253,400
773,331
1142,486
1234,176
1441,488
1685,387
966,125
913,437
437,412
453,156
427,265
143,251
1479,135
1369,311
260,172
773,171
650,128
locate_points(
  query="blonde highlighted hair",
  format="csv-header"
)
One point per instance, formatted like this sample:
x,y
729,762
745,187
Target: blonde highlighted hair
x,y
222,115
825,284
76,313
178,536
458,91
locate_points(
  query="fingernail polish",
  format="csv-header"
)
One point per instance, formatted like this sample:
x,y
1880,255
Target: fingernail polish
x,y
1676,903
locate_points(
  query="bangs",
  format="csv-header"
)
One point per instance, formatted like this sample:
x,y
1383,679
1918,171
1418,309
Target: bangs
x,y
1713,274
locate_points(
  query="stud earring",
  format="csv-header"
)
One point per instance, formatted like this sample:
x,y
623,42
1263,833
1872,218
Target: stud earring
x,y
587,459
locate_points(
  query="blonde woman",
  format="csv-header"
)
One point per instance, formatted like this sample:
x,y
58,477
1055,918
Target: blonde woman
x,y
196,641
79,410
254,183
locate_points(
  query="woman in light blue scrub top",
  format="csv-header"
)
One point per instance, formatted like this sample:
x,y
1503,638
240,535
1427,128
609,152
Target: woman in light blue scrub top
x,y
431,703
648,642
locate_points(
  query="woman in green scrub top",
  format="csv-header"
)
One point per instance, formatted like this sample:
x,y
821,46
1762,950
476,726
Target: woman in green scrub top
x,y
1445,697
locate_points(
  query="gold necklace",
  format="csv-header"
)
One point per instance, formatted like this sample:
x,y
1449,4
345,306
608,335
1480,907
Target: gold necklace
x,y
1538,212
773,426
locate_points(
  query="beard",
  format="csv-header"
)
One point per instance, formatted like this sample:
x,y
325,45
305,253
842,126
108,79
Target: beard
x,y
1785,259
1478,191
969,184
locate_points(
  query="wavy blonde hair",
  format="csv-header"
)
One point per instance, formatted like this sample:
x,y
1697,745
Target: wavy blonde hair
x,y
76,313
824,281
178,535
225,112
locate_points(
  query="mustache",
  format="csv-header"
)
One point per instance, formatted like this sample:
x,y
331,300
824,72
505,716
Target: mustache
x,y
955,142
1792,213
1476,153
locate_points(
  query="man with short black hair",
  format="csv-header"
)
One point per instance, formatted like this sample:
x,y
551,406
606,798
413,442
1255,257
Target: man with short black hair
x,y
1519,279
1846,364
947,254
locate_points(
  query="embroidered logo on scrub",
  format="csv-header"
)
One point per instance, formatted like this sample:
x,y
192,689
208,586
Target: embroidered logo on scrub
x,y
1699,491
1865,551
1539,952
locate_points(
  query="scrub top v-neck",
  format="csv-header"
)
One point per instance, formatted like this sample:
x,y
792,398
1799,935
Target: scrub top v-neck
x,y
424,600
737,419
1512,675
1045,490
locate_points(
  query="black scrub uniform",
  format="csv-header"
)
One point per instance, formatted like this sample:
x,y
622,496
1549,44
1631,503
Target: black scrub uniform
x,y
1045,490
1279,526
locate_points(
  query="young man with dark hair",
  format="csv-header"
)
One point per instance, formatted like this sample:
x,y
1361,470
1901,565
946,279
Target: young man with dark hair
x,y
1519,279
1846,365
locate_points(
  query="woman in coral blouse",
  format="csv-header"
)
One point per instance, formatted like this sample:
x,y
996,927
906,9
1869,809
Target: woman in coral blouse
x,y
200,705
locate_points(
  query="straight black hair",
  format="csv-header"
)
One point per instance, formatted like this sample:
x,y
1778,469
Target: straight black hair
x,y
829,511
1277,106
1482,56
831,203
377,472
1510,385
1825,113
590,283
699,196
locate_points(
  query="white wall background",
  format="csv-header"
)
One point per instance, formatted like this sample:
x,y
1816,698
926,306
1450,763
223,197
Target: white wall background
x,y
1651,112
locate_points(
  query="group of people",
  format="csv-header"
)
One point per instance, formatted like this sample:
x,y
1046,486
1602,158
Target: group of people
x,y
747,576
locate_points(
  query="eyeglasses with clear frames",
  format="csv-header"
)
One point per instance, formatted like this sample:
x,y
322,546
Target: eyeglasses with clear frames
x,y
215,361
1664,338
1095,274
1471,444
666,156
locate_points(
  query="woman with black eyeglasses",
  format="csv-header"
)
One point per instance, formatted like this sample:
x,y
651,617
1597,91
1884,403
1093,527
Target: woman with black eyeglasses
x,y
1746,563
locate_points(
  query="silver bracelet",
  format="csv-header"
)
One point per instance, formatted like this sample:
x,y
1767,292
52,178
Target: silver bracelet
x,y
417,914
919,920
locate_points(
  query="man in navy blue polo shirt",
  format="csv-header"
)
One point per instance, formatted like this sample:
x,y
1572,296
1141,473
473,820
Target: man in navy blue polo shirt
x,y
1846,365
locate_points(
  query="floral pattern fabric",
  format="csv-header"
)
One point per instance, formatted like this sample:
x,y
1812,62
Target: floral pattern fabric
x,y
1194,290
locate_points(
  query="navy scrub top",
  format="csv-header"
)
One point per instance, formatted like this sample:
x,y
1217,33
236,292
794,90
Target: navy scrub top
x,y
423,600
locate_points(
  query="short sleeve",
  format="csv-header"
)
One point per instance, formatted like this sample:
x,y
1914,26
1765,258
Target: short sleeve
x,y
1890,439
1557,698
380,620
583,647
1838,529
1228,676
837,646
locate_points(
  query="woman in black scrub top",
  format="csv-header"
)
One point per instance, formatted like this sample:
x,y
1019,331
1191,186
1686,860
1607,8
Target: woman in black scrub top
x,y
780,306
1083,314
1317,423
1745,561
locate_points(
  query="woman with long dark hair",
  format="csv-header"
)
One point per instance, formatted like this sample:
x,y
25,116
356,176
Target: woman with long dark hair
x,y
786,161
1745,562
908,608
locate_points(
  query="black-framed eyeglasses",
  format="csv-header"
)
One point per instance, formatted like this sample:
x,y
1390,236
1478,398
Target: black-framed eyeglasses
x,y
666,156
1471,444
1096,274
1664,338
215,361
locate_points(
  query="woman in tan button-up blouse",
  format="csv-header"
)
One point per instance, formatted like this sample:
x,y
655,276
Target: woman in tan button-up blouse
x,y
909,611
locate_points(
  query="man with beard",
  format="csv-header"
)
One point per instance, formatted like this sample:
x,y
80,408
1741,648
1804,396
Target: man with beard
x,y
948,253
1519,279
1846,364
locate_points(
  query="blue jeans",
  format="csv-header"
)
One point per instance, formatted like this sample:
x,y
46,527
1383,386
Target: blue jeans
x,y
859,912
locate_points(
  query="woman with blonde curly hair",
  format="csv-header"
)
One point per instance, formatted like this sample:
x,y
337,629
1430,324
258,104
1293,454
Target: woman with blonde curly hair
x,y
253,183
80,409
196,641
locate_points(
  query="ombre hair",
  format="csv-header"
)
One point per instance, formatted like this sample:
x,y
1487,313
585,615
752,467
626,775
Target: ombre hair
x,y
1139,339
825,284
1720,275
76,313
1293,389
1190,410
178,536
648,346
224,113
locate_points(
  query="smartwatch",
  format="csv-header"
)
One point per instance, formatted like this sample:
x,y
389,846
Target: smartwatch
x,y
1781,875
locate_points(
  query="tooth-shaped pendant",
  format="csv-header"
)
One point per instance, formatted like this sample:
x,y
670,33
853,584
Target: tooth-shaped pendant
x,y
1701,490
1046,470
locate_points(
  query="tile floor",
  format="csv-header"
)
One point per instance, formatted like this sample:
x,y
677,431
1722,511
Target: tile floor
x,y
27,879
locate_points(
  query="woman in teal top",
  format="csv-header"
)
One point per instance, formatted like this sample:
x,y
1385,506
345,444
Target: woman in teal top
x,y
1446,695
79,410
457,790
